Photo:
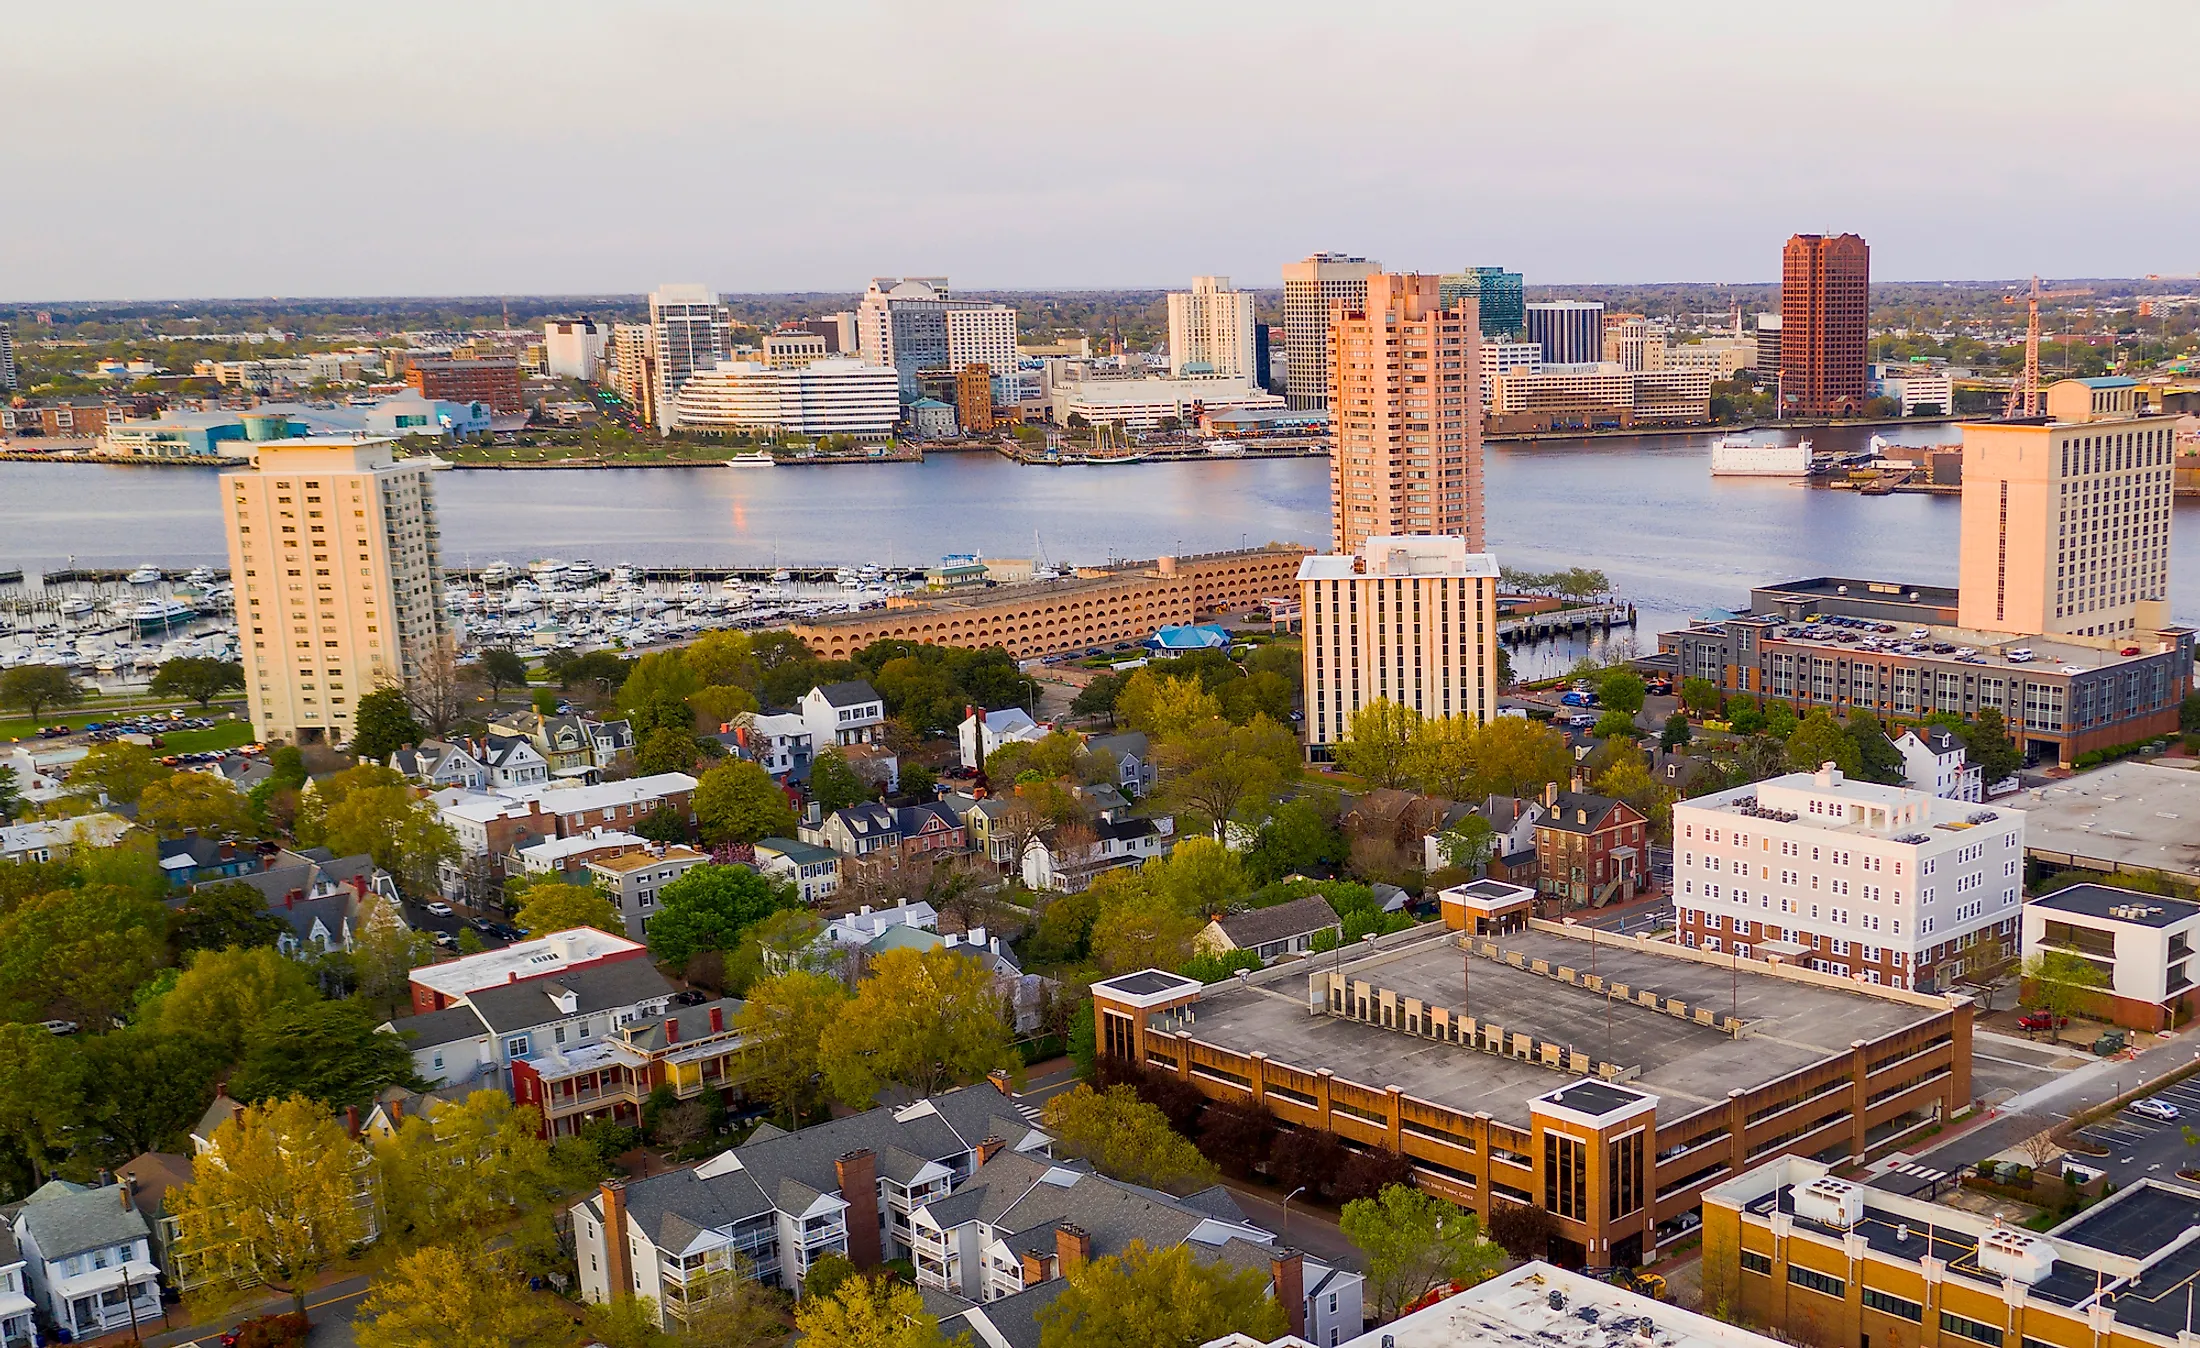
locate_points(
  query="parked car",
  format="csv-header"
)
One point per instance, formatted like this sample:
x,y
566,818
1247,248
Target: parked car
x,y
2041,1020
436,909
58,1026
2154,1107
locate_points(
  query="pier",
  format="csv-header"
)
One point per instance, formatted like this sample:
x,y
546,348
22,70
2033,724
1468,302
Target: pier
x,y
1561,622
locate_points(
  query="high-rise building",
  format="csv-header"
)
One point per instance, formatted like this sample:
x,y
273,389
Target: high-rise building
x,y
1767,356
915,324
1633,343
974,397
1571,332
1825,307
689,330
572,348
1309,289
1264,372
8,379
1405,414
632,369
1412,619
838,330
1212,330
491,379
332,548
2066,521
1500,294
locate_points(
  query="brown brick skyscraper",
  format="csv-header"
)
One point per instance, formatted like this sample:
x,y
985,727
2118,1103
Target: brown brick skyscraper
x,y
1825,307
1405,411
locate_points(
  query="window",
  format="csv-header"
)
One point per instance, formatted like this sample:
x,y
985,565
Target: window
x,y
516,1046
1894,1305
1566,1176
1753,1262
1969,1329
1815,1281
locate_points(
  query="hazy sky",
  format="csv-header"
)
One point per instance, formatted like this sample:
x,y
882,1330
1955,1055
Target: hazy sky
x,y
481,146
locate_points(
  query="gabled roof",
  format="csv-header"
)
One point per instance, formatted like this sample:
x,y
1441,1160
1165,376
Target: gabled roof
x,y
848,693
511,1007
1564,815
1123,744
1300,917
451,1025
65,1219
800,853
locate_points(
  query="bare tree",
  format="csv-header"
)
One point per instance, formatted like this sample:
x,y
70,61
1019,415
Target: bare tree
x,y
441,690
1015,828
2040,1148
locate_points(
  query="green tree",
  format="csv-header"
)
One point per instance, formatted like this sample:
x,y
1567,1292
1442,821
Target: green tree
x,y
666,749
1469,844
11,796
709,908
1622,690
737,801
1125,1138
145,1088
1159,1298
384,725
227,994
403,834
782,1024
1615,724
664,824
197,677
594,674
723,704
561,907
2061,983
31,689
41,1093
80,953
1199,876
868,1312
329,1052
1701,696
461,1295
1877,760
502,668
219,916
1138,927
1820,739
658,680
468,1167
1222,774
1378,742
1302,835
922,1021
1677,732
1444,756
1097,697
1163,706
834,784
117,770
194,802
1518,755
1988,747
1415,1243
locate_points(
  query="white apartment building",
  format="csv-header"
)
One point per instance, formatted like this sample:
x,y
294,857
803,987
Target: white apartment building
x,y
1411,619
332,547
836,395
689,331
1911,386
1211,330
572,348
1309,288
1884,884
914,324
1506,358
2143,942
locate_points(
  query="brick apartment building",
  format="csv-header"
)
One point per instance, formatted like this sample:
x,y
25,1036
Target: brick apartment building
x,y
490,379
1589,848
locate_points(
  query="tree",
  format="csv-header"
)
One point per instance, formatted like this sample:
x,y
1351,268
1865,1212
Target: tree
x,y
1222,773
195,801
1469,845
1127,1139
283,1203
1518,755
1442,757
145,1088
1819,739
1701,696
1524,1232
1986,966
328,1052
1614,722
439,689
2062,984
723,704
468,1167
219,916
1378,741
197,677
868,1312
79,952
1097,697
1164,705
1302,835
384,724
1877,760
1199,877
709,907
594,674
31,689
1138,927
782,1025
1677,732
1415,1243
1622,690
731,1309
1628,779
226,994
459,1296
117,770
1988,747
834,785
737,801
664,824
11,797
403,834
921,1021
502,668
666,749
1159,1298
560,907
41,1092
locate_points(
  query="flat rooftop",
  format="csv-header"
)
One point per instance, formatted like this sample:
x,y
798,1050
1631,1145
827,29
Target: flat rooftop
x,y
1864,636
1873,591
1538,1303
2119,905
2123,816
1088,579
1689,1066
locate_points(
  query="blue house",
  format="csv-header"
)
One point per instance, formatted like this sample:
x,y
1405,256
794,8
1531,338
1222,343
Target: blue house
x,y
193,860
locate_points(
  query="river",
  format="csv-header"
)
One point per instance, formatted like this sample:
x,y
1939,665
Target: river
x,y
1645,510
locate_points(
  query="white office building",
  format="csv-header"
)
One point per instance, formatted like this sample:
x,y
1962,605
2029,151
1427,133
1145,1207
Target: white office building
x,y
572,348
1884,884
838,395
1143,404
689,331
1211,330
914,324
1309,288
1500,358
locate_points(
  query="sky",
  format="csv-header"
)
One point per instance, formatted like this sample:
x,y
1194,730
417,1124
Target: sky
x,y
235,148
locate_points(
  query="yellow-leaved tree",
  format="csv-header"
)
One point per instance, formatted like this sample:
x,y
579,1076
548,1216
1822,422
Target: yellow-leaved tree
x,y
459,1296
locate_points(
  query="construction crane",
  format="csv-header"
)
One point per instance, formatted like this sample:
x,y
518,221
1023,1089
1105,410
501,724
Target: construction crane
x,y
2024,399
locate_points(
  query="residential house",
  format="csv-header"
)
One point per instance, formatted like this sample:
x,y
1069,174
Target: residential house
x,y
1399,818
512,762
814,870
47,839
1134,764
148,1177
88,1256
18,1313
776,741
1066,859
328,901
449,982
844,713
1272,933
984,731
1589,849
631,880
572,745
1680,772
484,1033
782,1200
874,764
1935,761
436,765
998,1247
241,772
857,930
192,860
39,776
692,1049
1512,824
861,830
569,858
498,823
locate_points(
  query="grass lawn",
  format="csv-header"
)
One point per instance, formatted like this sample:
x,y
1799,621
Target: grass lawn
x,y
223,735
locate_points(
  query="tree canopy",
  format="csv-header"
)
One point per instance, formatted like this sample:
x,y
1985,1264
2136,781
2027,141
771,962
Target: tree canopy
x,y
737,801
1127,1139
1159,1298
710,907
1415,1243
922,1020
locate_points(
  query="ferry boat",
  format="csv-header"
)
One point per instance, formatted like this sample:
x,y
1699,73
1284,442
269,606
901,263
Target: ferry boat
x,y
158,615
147,574
1738,456
755,458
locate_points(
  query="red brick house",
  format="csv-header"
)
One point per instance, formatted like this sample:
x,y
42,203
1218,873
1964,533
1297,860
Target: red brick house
x,y
1589,849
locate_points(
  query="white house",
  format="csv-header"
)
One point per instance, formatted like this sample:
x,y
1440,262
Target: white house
x,y
45,839
2143,942
17,1310
513,762
481,1033
814,870
1052,863
1512,823
438,765
867,924
88,1254
776,741
1936,761
984,731
1271,933
843,713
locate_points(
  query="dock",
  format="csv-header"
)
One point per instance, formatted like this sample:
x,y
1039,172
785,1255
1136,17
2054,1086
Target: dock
x,y
1562,622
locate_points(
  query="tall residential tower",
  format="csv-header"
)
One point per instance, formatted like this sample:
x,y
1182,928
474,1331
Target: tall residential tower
x,y
1212,331
1825,308
1309,289
1405,410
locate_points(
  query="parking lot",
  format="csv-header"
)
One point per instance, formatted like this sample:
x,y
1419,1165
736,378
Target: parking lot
x,y
2138,1145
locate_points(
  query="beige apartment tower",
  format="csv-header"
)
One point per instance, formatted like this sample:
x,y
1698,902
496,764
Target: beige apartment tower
x,y
332,548
1211,331
2066,520
1309,289
1405,414
1410,619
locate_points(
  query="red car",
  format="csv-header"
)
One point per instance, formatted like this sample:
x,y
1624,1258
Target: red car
x,y
2040,1020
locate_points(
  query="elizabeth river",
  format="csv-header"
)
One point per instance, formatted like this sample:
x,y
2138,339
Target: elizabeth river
x,y
1644,510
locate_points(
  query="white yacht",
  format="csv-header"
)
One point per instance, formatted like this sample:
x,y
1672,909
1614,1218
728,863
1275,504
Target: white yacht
x,y
76,606
755,458
497,573
1739,456
199,576
147,574
1225,449
158,615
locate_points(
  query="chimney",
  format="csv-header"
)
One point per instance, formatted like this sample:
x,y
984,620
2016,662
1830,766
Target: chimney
x,y
1581,782
999,1078
397,1113
511,975
1287,1267
1550,795
228,851
718,1020
618,1268
351,1119
672,1029
290,898
1072,1247
989,1149
129,1189
857,1174
1034,1268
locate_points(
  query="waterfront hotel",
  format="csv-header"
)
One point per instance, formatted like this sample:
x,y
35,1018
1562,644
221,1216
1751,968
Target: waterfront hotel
x,y
1609,1081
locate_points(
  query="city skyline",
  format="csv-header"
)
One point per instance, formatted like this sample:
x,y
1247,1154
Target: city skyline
x,y
1691,146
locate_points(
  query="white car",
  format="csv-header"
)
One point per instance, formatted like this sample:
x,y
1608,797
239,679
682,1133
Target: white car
x,y
2155,1108
436,909
58,1026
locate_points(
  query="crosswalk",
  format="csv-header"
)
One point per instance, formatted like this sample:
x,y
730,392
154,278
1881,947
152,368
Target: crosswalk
x,y
1919,1172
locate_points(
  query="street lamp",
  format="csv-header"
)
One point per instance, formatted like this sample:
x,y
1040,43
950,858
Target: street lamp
x,y
1287,1209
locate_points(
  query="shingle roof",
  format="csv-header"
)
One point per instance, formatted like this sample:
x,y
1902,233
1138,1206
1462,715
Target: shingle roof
x,y
1261,926
1015,1318
65,1219
600,987
1124,744
447,1026
849,693
1562,815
